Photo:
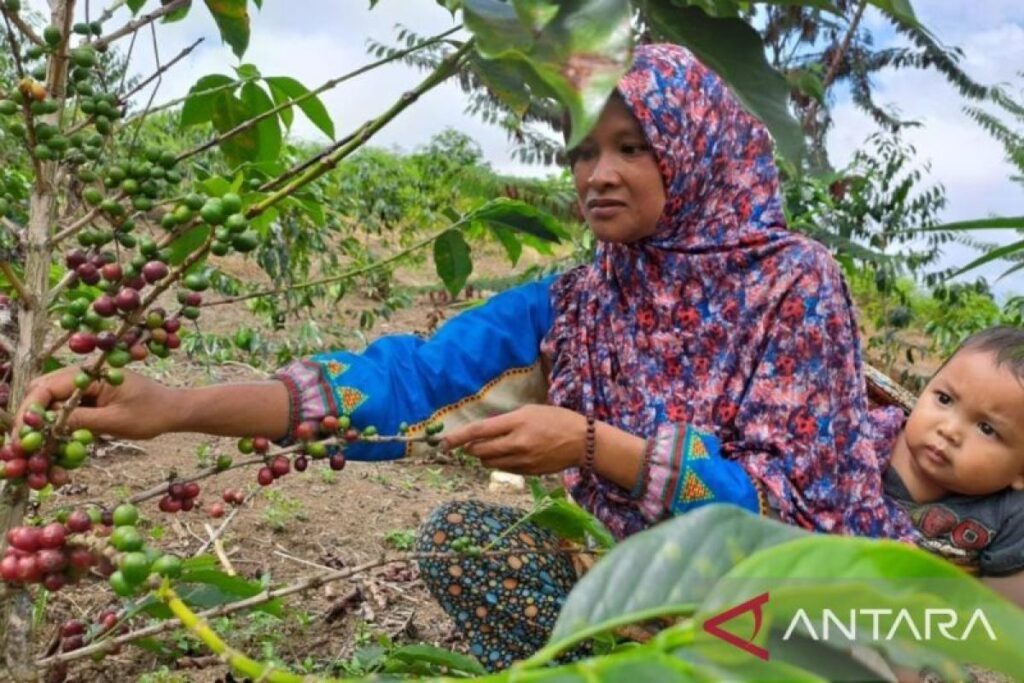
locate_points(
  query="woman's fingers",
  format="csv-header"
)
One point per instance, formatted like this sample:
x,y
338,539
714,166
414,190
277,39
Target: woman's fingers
x,y
488,428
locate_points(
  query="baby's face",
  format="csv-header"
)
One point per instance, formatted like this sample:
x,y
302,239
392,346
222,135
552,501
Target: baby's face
x,y
966,433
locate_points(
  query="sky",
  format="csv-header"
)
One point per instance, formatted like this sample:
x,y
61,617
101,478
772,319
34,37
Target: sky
x,y
315,40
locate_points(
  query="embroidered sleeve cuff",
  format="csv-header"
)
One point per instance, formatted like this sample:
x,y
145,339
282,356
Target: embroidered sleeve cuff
x,y
685,470
309,394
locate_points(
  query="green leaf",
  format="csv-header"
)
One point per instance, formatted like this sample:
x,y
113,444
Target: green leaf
x,y
513,247
199,108
232,17
572,522
519,216
451,257
247,72
312,107
978,224
993,255
733,50
135,5
578,56
177,15
901,9
436,656
268,132
187,243
675,563
808,83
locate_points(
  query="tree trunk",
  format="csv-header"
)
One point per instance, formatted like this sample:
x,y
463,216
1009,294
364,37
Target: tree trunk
x,y
15,602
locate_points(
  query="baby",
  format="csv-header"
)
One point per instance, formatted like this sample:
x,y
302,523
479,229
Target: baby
x,y
958,463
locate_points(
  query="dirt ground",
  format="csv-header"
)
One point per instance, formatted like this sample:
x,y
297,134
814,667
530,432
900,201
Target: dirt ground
x,y
303,524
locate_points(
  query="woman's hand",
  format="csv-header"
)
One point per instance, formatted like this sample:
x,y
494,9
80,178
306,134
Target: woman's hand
x,y
534,439
137,409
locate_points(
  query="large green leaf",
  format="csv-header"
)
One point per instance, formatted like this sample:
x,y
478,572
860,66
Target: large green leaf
x,y
436,656
733,49
451,257
187,243
268,132
519,216
846,575
232,17
571,522
199,104
579,54
676,562
286,88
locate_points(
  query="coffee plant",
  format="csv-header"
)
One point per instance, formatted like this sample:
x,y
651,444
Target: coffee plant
x,y
105,241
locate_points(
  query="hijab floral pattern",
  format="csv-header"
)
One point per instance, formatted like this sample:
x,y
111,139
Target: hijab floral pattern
x,y
723,319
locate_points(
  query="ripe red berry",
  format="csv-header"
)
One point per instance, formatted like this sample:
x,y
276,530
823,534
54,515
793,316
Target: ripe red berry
x,y
52,535
72,627
301,463
337,462
177,490
80,557
351,435
265,477
127,299
172,325
107,620
173,341
304,431
79,521
75,258
280,466
37,481
106,341
154,271
53,582
89,274
329,425
190,490
33,420
111,272
70,643
168,504
38,463
216,510
187,504
58,476
82,342
51,560
260,444
138,352
28,569
15,469
9,568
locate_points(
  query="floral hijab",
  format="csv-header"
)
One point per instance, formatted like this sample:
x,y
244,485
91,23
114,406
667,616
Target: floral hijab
x,y
723,319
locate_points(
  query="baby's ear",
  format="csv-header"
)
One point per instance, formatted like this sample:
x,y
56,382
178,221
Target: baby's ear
x,y
1018,483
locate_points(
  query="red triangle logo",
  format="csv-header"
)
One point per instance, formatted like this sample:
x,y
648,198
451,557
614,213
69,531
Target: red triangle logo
x,y
713,625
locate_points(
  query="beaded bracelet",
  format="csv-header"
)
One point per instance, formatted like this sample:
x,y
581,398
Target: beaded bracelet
x,y
640,487
591,445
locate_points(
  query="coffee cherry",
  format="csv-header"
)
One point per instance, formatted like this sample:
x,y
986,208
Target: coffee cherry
x,y
168,504
127,299
80,557
265,477
176,490
245,445
280,466
316,449
216,510
72,627
37,481
260,444
24,538
168,566
52,536
78,522
337,462
112,272
104,306
190,490
51,560
32,419
126,539
304,431
154,271
301,463
187,504
125,514
329,425
82,343
58,476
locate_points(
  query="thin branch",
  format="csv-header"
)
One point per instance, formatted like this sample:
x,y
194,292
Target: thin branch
x,y
266,596
59,288
199,93
27,299
136,24
334,278
333,83
837,60
109,12
23,26
220,530
11,226
159,72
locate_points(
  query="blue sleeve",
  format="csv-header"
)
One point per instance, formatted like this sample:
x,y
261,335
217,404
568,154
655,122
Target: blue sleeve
x,y
403,378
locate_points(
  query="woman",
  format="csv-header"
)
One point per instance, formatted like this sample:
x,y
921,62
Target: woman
x,y
707,354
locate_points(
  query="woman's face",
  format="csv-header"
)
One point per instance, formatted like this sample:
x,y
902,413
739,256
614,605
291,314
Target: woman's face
x,y
617,180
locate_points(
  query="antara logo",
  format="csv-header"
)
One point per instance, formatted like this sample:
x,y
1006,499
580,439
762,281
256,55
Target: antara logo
x,y
874,623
